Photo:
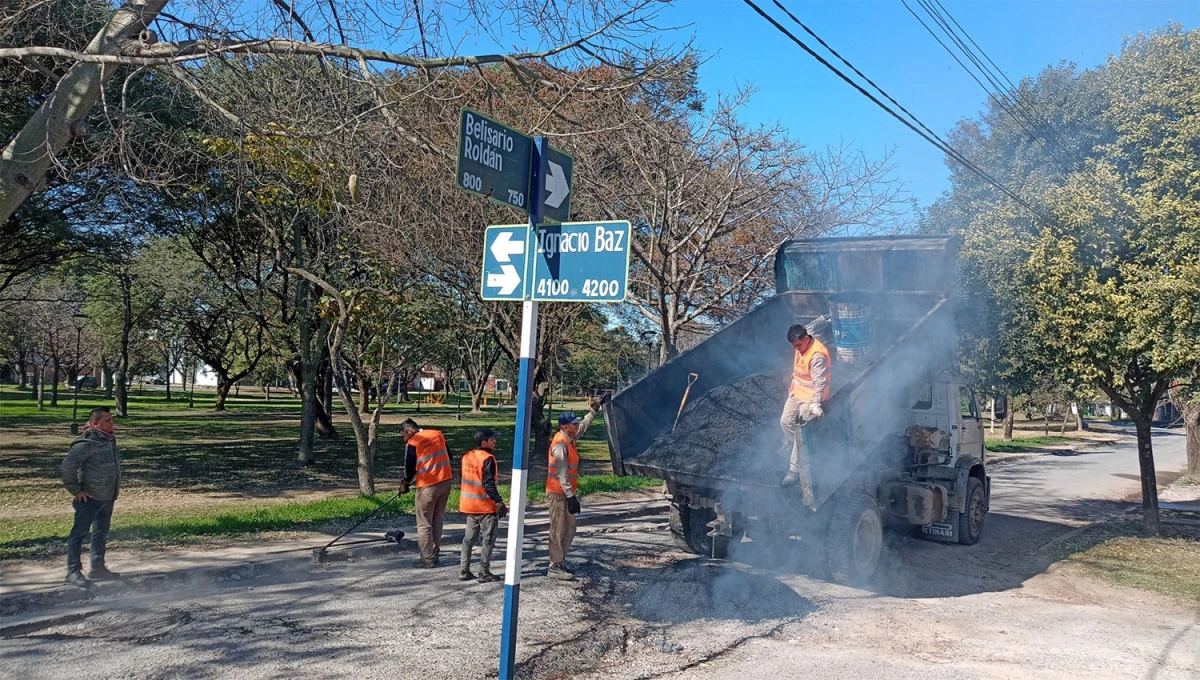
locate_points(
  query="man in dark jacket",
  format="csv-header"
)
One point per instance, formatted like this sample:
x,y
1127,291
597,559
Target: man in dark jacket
x,y
92,473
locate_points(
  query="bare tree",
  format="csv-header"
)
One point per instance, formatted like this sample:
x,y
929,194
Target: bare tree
x,y
141,37
712,199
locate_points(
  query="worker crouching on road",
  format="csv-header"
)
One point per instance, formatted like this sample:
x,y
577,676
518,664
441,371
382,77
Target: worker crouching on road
x,y
810,386
562,483
427,468
480,501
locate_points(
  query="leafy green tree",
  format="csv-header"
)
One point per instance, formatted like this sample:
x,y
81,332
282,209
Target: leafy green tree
x,y
1103,286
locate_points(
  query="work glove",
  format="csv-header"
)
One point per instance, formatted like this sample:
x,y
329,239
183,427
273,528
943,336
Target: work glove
x,y
595,404
404,486
815,410
501,510
605,399
573,505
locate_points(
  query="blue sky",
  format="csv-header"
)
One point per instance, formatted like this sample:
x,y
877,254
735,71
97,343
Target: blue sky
x,y
883,40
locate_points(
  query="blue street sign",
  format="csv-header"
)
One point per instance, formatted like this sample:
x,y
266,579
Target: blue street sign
x,y
575,262
504,251
581,262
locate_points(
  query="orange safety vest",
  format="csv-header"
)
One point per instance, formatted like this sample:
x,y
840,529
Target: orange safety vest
x,y
802,382
474,499
552,485
433,461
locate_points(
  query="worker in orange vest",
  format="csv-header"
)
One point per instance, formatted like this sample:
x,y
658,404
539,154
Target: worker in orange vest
x,y
810,386
480,501
562,482
427,468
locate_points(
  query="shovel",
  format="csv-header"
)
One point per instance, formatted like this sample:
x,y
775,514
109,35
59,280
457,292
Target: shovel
x,y
692,378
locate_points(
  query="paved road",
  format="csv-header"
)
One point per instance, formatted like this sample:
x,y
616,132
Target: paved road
x,y
1079,485
645,610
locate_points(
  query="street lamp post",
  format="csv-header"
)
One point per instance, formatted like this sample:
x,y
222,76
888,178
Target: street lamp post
x,y
80,318
648,339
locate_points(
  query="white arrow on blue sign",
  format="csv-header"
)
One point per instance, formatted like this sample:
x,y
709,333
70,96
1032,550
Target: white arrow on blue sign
x,y
504,262
573,262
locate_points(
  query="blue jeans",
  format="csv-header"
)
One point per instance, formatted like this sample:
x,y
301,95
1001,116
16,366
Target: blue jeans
x,y
91,517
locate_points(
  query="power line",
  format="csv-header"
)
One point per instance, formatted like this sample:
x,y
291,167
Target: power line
x,y
933,139
1022,112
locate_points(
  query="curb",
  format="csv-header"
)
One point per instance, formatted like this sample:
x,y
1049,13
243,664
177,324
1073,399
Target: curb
x,y
297,561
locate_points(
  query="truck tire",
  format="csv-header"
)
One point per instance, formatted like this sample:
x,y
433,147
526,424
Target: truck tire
x,y
970,520
854,541
689,528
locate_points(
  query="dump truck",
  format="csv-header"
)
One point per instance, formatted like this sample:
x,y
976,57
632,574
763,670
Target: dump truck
x,y
900,446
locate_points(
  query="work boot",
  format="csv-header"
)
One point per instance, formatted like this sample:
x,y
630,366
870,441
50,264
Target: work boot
x,y
102,573
486,576
75,578
424,564
466,575
566,566
556,571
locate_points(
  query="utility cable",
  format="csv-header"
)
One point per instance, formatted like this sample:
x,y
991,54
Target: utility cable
x,y
932,139
1023,113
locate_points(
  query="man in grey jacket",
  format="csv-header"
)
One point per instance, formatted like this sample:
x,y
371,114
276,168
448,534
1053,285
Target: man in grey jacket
x,y
92,473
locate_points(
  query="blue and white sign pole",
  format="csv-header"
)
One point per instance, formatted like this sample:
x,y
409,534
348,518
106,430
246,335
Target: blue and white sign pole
x,y
514,558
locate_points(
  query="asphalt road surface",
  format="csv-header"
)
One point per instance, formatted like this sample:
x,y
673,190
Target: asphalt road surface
x,y
643,609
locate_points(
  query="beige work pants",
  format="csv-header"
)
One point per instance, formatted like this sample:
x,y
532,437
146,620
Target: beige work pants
x,y
431,514
562,528
795,416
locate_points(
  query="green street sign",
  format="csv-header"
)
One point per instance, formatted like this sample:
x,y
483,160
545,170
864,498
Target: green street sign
x,y
494,160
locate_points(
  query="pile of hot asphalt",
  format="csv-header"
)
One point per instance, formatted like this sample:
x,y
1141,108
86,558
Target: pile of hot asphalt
x,y
731,432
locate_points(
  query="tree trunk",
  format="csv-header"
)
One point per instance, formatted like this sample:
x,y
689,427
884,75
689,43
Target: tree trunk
x,y
54,385
41,391
106,374
1046,421
477,400
29,155
267,389
34,381
1066,417
169,372
1150,521
123,367
224,385
1080,422
1191,420
307,369
21,372
1010,415
324,414
364,396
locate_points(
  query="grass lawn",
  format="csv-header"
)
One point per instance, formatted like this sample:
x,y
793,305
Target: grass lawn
x,y
196,472
1026,443
1119,554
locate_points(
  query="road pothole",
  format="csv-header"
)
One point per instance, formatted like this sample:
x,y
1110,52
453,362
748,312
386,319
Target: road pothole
x,y
125,625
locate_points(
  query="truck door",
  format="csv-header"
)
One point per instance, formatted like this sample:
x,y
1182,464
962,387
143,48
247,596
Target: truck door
x,y
970,425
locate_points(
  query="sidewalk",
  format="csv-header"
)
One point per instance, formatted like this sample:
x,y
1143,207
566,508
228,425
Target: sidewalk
x,y
27,587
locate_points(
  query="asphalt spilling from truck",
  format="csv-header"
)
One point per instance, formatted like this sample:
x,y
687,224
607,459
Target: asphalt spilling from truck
x,y
732,431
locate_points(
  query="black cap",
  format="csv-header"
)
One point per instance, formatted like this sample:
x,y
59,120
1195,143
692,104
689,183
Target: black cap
x,y
484,434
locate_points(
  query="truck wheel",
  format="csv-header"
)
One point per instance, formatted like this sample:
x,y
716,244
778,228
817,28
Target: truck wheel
x,y
855,539
970,520
690,529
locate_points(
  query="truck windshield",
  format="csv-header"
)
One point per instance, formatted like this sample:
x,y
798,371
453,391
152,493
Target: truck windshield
x,y
924,398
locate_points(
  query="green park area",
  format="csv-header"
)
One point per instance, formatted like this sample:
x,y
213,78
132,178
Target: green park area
x,y
193,474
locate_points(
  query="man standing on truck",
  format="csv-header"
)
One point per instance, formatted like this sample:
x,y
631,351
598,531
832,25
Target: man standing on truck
x,y
562,481
810,386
